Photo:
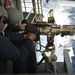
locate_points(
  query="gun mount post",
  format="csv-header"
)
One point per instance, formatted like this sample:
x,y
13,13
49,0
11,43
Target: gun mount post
x,y
51,30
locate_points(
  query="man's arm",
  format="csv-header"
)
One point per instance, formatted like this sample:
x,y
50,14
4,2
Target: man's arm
x,y
14,36
9,52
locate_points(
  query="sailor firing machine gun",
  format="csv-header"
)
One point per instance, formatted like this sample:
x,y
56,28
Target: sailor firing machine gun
x,y
48,29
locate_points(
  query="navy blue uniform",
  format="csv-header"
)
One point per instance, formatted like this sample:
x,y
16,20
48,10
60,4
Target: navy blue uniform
x,y
9,52
18,40
31,59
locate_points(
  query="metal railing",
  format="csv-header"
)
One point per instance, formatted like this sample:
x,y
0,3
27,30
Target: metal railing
x,y
29,14
38,8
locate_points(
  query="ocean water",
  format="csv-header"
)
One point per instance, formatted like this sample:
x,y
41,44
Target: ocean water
x,y
64,13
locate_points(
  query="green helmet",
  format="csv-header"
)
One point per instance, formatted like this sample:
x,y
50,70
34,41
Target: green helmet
x,y
13,15
3,13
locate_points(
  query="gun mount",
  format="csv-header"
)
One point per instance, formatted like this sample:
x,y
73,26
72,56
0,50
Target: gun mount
x,y
51,30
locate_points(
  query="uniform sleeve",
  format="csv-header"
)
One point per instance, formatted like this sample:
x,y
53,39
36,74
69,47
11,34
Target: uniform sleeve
x,y
14,36
9,52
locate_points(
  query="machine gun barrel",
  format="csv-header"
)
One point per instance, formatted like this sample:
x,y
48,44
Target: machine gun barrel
x,y
52,28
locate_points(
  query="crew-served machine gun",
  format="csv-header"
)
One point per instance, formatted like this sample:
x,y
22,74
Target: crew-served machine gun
x,y
51,30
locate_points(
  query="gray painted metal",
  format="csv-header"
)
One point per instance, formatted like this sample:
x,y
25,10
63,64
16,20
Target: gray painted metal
x,y
68,63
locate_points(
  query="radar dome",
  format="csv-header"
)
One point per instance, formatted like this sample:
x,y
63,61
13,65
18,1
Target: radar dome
x,y
13,15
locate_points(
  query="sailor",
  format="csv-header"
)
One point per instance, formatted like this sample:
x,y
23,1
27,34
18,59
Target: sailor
x,y
27,44
7,50
23,41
